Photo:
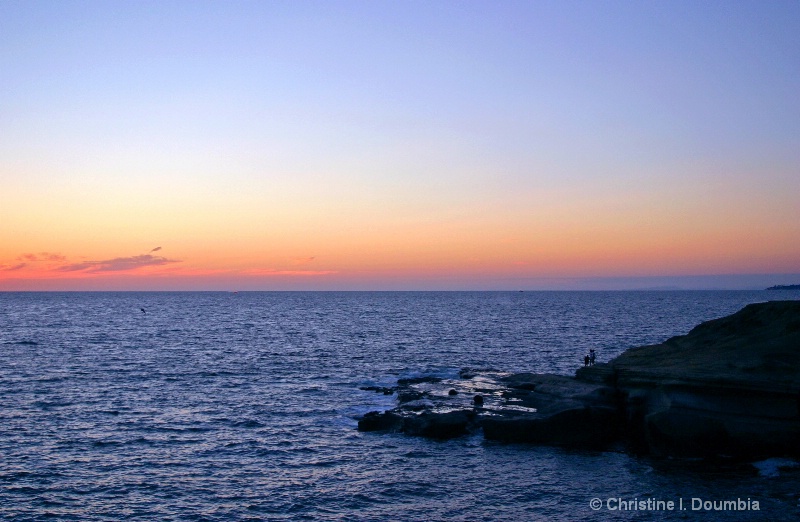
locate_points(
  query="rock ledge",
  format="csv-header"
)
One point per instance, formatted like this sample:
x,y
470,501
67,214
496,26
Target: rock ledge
x,y
730,387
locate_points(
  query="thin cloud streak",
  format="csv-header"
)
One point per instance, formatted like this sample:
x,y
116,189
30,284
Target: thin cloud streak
x,y
118,264
51,265
42,256
6,268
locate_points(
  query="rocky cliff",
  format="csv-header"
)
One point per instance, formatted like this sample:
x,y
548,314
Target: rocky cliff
x,y
730,387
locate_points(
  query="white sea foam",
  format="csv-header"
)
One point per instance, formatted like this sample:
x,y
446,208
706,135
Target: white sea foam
x,y
772,467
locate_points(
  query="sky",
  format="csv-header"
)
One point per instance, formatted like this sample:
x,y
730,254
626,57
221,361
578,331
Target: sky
x,y
399,145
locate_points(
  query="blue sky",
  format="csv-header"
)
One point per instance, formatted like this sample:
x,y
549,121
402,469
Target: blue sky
x,y
402,143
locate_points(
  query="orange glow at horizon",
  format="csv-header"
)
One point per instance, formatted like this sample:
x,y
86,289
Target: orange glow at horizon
x,y
451,250
522,145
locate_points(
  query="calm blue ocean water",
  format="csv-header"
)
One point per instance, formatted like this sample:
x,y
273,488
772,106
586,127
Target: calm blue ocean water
x,y
221,406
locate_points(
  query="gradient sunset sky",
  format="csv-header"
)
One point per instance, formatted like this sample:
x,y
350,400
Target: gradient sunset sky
x,y
376,145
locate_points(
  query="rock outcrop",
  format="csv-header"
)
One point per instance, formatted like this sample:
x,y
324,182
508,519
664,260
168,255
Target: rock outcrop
x,y
729,387
561,410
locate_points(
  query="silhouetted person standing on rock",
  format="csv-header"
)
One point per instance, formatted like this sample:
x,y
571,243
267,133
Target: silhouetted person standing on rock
x,y
586,360
592,356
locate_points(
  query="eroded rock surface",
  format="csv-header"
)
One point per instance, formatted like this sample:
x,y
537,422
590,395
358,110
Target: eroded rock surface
x,y
731,386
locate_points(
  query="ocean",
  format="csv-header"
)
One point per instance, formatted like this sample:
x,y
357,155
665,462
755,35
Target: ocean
x,y
242,406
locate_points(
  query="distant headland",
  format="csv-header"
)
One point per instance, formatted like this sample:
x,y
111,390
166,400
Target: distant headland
x,y
784,287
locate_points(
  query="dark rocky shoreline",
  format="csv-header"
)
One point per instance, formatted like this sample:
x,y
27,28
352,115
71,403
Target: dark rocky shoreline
x,y
729,388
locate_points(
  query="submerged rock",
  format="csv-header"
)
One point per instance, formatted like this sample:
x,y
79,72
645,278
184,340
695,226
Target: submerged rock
x,y
406,396
379,389
380,421
418,380
438,425
419,404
